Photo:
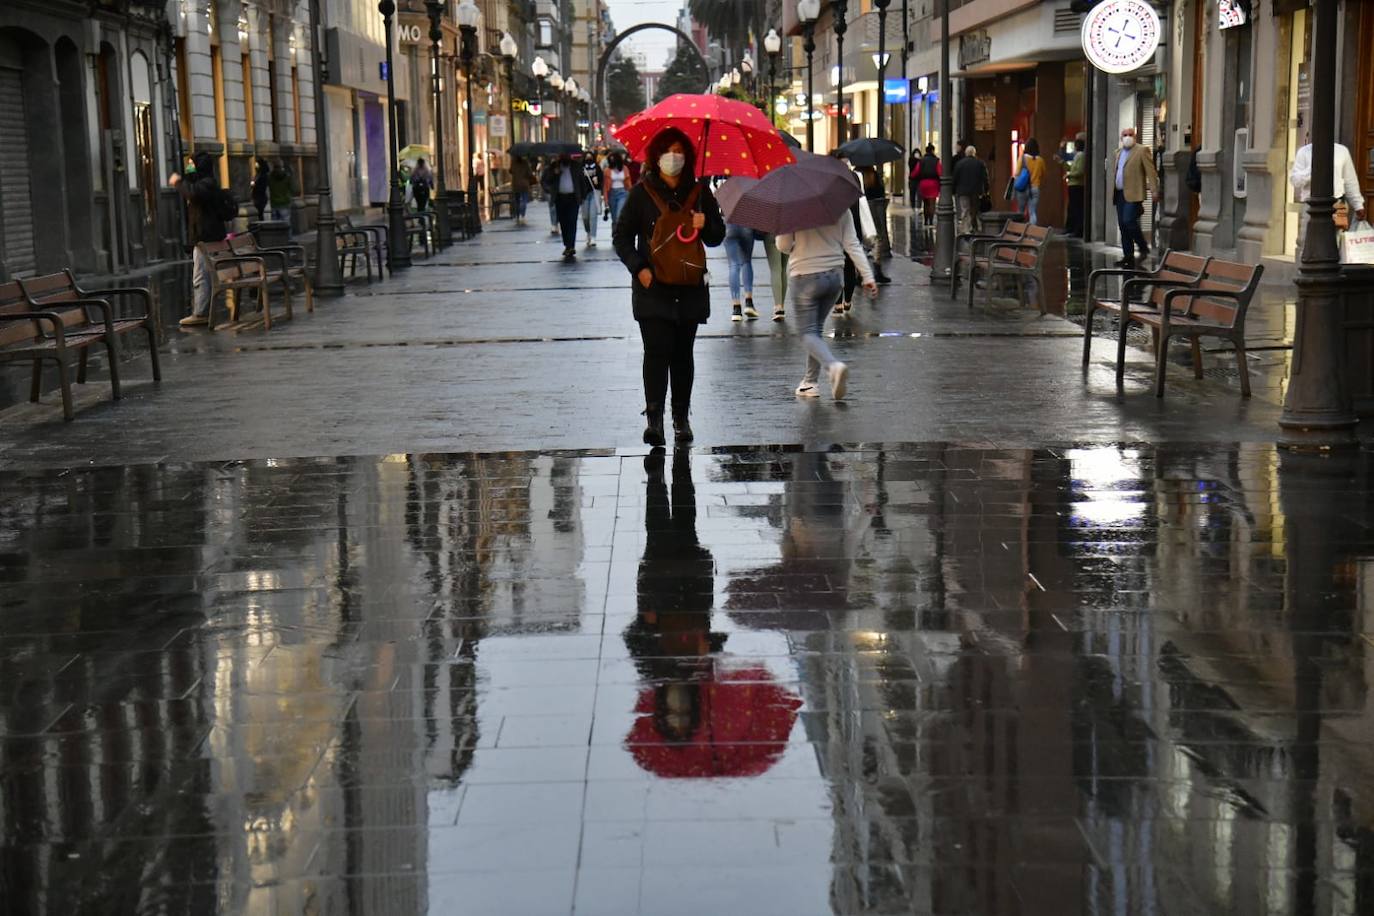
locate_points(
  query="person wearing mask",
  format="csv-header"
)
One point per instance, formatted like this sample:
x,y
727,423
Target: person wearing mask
x,y
815,271
260,180
591,204
877,202
1073,179
668,266
970,184
567,186
1132,174
616,181
205,205
1345,182
279,191
521,179
421,183
1028,198
928,181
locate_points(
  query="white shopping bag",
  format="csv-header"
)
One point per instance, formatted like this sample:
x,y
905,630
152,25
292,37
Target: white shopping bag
x,y
1357,244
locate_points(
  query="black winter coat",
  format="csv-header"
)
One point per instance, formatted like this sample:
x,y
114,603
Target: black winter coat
x,y
201,191
634,229
970,177
549,180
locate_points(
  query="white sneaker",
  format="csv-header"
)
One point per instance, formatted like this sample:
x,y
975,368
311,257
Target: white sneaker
x,y
591,243
839,380
808,390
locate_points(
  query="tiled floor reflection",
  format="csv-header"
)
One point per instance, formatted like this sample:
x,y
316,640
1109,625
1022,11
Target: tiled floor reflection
x,y
914,679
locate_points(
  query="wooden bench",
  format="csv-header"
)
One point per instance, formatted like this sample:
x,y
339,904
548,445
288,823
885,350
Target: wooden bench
x,y
970,246
50,318
285,263
502,197
376,234
419,227
348,244
238,272
1020,260
1176,269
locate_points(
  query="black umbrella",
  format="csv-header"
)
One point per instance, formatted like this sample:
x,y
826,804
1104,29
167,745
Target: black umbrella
x,y
790,140
813,191
545,148
871,151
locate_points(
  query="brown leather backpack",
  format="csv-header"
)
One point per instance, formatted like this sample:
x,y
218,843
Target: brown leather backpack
x,y
676,252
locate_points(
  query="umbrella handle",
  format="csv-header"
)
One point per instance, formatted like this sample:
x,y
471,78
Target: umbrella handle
x,y
687,239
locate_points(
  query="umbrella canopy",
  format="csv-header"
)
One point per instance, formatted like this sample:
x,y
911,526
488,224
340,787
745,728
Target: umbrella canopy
x,y
545,148
730,137
742,721
813,192
414,151
871,151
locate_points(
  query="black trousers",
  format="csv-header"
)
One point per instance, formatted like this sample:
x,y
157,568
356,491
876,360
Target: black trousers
x,y
851,280
567,207
1128,220
1073,223
668,354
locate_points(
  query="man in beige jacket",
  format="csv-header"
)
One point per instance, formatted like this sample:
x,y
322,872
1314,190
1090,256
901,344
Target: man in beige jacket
x,y
1133,178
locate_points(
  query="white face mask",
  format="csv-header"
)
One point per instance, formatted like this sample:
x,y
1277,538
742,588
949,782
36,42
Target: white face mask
x,y
671,164
1128,141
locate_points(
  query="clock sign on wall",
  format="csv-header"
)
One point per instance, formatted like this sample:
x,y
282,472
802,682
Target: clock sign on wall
x,y
1121,35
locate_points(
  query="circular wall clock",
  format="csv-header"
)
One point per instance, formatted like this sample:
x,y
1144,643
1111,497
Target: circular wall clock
x,y
1121,35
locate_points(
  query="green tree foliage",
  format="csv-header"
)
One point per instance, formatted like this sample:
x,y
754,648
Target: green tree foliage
x,y
684,74
728,21
624,88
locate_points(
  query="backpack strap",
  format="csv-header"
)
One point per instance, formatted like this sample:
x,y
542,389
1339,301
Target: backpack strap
x,y
691,201
653,195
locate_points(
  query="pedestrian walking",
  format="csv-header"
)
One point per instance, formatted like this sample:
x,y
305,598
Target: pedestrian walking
x,y
260,180
279,192
970,181
591,204
928,182
479,174
876,193
521,179
913,174
617,182
1133,176
421,183
206,206
1345,185
1028,181
815,271
739,249
660,236
866,229
567,186
1073,180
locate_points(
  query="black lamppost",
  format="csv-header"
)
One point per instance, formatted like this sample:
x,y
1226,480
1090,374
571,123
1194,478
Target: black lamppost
x,y
1316,409
556,82
509,49
906,53
398,240
839,9
882,64
442,230
943,265
807,11
469,17
328,274
772,44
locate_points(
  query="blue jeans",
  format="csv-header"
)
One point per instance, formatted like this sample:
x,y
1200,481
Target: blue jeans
x,y
739,248
617,201
522,202
553,210
591,214
1128,215
811,296
1029,204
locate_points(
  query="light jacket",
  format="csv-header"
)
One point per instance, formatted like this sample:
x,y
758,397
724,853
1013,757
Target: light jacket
x,y
1345,181
1140,177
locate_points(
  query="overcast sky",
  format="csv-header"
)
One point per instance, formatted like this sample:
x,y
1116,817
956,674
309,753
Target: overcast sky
x,y
656,45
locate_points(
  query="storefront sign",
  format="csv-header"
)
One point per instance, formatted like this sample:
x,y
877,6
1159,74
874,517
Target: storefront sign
x,y
974,48
411,33
1231,13
1121,35
496,125
896,91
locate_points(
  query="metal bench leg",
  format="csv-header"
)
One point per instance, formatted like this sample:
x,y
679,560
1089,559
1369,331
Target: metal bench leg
x,y
1197,357
81,366
64,380
112,348
1243,367
152,350
1121,325
1161,365
265,303
1088,311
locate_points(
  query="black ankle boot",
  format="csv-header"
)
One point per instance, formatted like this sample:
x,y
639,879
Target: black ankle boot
x,y
653,426
682,430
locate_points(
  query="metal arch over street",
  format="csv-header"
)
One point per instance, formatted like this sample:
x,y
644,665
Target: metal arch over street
x,y
683,39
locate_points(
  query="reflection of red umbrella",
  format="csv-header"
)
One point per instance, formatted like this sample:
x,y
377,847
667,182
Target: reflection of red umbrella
x,y
730,137
742,722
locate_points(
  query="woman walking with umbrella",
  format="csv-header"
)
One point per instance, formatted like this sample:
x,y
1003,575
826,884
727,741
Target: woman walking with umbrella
x,y
667,219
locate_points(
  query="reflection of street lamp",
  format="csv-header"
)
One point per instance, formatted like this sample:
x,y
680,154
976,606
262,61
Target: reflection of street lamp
x,y
398,240
881,61
772,44
540,69
509,49
328,273
469,17
442,231
838,10
807,11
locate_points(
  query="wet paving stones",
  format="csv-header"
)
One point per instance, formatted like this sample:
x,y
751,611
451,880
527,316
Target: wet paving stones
x,y
908,678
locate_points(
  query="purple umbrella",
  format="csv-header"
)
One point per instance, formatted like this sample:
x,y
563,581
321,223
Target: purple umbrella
x,y
813,191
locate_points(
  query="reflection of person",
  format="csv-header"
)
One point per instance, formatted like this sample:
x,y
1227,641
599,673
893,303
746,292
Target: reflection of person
x,y
1132,174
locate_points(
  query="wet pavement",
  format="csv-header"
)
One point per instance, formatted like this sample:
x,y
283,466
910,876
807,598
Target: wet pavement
x,y
386,611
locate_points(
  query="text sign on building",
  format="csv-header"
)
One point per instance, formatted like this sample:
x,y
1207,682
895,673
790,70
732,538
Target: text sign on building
x,y
411,33
974,48
496,125
1120,35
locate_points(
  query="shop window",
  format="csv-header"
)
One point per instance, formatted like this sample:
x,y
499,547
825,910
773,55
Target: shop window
x,y
985,112
545,33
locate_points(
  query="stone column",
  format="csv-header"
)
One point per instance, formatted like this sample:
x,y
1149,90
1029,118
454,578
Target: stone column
x,y
283,61
1209,158
258,37
1264,162
200,75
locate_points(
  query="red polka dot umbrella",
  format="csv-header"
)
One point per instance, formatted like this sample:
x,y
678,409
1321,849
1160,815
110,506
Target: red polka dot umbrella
x,y
730,137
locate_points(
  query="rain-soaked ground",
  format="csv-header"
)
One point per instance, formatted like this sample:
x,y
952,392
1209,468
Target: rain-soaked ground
x,y
387,612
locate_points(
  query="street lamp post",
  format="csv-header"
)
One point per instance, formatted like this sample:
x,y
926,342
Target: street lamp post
x,y
508,51
943,266
839,10
746,66
443,231
556,81
569,124
906,52
882,65
328,274
398,240
772,44
807,11
469,16
1316,408
540,69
